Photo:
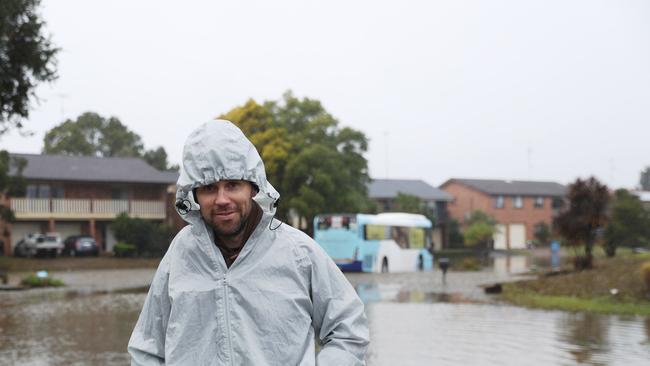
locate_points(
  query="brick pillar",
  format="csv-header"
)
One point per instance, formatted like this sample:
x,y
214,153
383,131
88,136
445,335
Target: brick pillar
x,y
51,227
92,231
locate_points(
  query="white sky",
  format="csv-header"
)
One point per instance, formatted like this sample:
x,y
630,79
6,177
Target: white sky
x,y
542,90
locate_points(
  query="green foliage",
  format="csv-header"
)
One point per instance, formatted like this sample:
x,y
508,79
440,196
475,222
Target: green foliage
x,y
467,264
27,58
480,228
93,135
581,220
149,239
479,232
644,179
629,225
542,232
11,181
316,165
34,281
123,250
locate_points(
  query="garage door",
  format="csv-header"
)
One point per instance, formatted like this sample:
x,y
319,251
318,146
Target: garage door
x,y
20,229
500,238
517,236
67,229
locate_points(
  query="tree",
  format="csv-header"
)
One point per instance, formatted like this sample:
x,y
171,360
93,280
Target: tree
x,y
542,232
581,221
479,229
629,224
316,165
11,182
413,204
93,135
644,180
27,58
150,239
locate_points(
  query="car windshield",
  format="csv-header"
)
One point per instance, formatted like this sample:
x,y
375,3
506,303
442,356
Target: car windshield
x,y
87,240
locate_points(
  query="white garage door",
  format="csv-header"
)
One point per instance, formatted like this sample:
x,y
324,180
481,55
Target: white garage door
x,y
20,229
517,236
68,229
500,238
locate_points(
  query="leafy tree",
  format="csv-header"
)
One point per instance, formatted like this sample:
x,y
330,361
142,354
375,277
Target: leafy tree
x,y
413,204
644,180
316,165
542,232
11,182
149,238
480,229
93,135
580,222
629,224
27,58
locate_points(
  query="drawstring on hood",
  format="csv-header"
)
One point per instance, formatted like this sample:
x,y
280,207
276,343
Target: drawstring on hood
x,y
218,150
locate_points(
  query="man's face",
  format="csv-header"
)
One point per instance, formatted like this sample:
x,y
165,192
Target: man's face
x,y
226,206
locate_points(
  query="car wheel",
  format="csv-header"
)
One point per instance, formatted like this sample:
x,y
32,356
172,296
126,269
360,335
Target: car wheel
x,y
384,265
73,252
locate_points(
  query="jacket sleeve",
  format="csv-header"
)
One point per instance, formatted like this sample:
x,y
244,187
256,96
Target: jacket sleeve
x,y
147,343
338,316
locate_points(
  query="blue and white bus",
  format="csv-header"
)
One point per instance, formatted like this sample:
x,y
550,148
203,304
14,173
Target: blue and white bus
x,y
386,242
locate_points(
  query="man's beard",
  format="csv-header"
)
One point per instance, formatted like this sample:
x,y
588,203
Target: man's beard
x,y
229,233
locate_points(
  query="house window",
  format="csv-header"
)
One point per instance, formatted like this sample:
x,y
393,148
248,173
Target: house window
x,y
43,191
539,202
557,203
517,202
499,202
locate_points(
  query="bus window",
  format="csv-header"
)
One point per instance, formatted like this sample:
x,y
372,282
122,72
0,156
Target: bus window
x,y
337,222
375,232
416,237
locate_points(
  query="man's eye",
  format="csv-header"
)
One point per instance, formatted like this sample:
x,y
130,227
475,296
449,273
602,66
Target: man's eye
x,y
232,185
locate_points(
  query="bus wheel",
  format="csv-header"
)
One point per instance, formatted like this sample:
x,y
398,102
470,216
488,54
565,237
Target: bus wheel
x,y
384,265
420,263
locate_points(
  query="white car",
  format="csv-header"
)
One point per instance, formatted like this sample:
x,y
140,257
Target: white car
x,y
34,244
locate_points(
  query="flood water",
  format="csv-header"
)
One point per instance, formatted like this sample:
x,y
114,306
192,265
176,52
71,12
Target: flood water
x,y
415,319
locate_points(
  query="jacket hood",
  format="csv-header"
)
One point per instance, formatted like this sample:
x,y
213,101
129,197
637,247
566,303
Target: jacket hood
x,y
218,150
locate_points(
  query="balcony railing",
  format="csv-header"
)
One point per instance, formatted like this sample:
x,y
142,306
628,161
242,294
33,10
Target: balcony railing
x,y
61,208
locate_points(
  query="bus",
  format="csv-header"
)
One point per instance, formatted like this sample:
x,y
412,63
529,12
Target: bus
x,y
386,242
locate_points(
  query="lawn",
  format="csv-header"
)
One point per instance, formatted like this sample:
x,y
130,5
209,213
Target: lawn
x,y
615,285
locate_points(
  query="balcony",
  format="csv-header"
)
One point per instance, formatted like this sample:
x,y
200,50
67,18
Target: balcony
x,y
84,209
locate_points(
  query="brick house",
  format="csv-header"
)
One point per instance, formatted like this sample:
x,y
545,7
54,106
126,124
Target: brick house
x,y
75,195
384,192
516,205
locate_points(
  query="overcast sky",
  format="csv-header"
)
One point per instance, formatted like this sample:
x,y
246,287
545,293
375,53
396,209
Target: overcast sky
x,y
541,90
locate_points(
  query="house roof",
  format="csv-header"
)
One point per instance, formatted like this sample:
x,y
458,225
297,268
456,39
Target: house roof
x,y
389,188
512,187
93,169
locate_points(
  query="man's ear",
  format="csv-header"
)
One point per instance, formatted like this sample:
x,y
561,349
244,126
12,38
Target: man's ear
x,y
254,189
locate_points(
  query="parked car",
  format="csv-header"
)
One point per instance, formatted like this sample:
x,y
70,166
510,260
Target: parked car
x,y
51,246
80,245
26,247
37,244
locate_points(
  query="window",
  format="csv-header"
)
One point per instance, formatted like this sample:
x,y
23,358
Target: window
x,y
43,191
498,202
539,202
405,237
557,203
517,202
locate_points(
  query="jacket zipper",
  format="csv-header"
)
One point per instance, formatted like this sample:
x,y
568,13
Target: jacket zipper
x,y
226,300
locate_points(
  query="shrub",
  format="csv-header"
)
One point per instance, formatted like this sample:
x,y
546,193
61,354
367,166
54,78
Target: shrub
x,y
35,281
149,239
122,250
468,264
645,274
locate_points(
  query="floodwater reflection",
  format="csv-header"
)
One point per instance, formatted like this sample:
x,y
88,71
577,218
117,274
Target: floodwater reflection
x,y
415,319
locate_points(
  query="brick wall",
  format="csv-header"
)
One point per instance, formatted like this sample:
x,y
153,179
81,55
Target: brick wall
x,y
467,199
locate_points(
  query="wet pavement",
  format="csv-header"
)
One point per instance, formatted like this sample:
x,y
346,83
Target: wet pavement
x,y
415,319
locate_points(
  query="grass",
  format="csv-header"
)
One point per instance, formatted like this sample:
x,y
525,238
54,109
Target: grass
x,y
614,286
13,264
35,281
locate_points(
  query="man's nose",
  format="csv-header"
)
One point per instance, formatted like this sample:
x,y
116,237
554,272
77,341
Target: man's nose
x,y
222,198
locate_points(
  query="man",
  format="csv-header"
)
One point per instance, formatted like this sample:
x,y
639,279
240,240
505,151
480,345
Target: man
x,y
236,286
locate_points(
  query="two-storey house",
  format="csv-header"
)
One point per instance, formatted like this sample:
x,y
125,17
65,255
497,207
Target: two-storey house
x,y
75,195
516,205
